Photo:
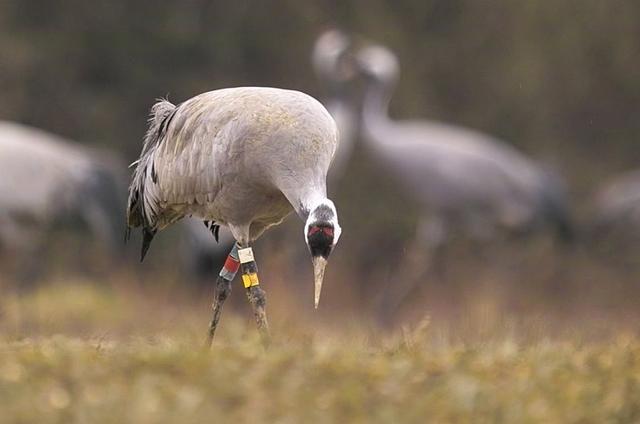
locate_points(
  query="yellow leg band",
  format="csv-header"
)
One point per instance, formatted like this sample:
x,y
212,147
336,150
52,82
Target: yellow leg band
x,y
250,280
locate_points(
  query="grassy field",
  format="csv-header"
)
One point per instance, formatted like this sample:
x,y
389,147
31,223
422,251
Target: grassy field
x,y
79,352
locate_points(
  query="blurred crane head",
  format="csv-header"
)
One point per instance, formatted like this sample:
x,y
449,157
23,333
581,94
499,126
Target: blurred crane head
x,y
330,55
322,232
378,63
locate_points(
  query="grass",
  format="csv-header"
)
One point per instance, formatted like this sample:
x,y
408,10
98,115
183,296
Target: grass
x,y
77,352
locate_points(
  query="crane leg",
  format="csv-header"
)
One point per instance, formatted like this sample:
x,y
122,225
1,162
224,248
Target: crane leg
x,y
425,255
255,294
223,290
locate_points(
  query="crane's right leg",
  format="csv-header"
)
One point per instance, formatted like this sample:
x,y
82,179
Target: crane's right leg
x,y
255,294
223,289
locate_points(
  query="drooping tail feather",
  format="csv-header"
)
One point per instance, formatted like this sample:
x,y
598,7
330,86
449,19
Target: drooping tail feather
x,y
141,209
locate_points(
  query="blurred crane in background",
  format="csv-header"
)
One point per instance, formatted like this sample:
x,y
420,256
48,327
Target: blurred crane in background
x,y
201,254
46,181
459,175
244,158
465,181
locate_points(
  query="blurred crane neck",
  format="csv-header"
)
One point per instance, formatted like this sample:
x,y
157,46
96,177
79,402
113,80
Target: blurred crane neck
x,y
375,111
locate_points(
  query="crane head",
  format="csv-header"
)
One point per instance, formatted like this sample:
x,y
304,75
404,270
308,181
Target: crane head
x,y
378,63
322,232
329,57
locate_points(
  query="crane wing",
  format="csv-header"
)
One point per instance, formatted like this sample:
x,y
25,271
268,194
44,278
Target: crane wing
x,y
176,167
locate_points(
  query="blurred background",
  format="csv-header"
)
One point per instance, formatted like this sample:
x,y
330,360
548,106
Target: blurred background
x,y
556,80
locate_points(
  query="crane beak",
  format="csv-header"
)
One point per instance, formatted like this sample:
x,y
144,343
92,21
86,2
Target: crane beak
x,y
319,264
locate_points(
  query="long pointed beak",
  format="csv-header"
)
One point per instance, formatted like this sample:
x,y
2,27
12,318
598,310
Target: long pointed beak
x,y
319,264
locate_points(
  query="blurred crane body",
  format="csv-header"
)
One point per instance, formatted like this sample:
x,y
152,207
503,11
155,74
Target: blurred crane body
x,y
200,253
245,158
45,179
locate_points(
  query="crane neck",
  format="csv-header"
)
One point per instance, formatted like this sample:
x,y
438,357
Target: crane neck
x,y
305,197
375,111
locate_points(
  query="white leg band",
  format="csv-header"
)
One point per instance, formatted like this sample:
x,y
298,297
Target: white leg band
x,y
245,255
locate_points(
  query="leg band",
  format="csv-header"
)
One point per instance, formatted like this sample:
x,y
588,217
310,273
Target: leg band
x,y
246,255
231,265
250,280
249,268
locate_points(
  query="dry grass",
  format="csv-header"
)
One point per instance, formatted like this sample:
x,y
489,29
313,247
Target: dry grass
x,y
77,352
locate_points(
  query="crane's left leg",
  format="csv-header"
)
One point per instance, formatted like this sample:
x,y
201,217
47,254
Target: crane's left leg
x,y
223,290
255,294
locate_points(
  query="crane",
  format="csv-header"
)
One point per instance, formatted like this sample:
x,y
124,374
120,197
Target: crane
x,y
46,180
460,177
245,158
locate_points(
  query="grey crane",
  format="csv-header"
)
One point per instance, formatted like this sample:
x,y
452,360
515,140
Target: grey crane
x,y
333,70
46,180
245,158
459,176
